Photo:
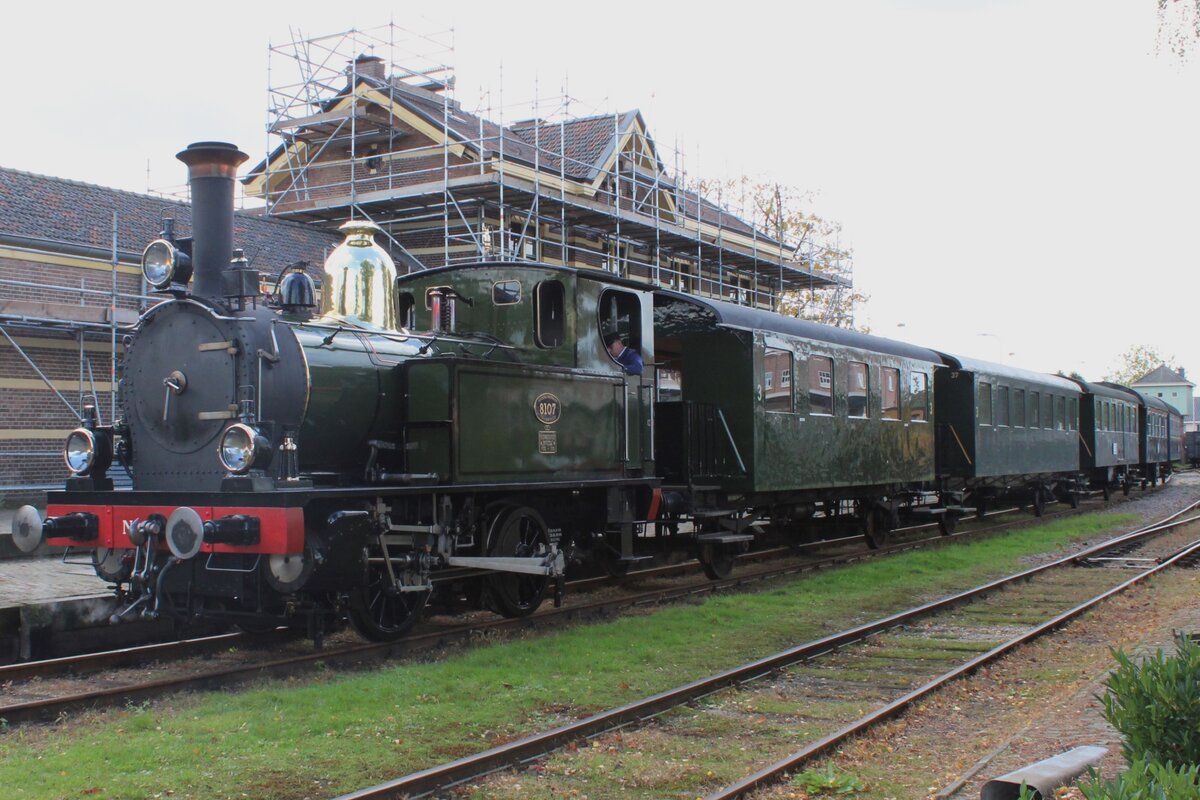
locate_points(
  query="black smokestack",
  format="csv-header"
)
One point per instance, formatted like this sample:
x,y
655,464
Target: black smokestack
x,y
212,169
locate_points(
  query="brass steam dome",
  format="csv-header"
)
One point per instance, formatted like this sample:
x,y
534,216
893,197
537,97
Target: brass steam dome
x,y
360,279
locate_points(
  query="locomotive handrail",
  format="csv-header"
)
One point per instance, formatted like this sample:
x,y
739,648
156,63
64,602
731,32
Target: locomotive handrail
x,y
403,335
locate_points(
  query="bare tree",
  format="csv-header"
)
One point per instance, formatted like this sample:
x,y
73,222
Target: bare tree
x,y
1178,27
808,239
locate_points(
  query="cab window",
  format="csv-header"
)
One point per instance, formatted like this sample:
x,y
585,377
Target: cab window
x,y
549,301
621,312
506,293
407,310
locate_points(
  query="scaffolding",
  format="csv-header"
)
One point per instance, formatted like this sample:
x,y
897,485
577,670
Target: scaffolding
x,y
66,339
369,125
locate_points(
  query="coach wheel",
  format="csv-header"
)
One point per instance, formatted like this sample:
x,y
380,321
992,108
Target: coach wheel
x,y
980,507
1038,503
1073,499
379,611
947,523
717,561
873,527
1106,492
517,532
614,565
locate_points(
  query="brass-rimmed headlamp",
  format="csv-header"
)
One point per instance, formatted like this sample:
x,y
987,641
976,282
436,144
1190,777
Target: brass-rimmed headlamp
x,y
242,447
87,452
164,264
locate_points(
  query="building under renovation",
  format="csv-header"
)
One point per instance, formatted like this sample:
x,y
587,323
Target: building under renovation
x,y
365,135
367,126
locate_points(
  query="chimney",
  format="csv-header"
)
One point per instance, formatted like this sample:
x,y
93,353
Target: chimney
x,y
1183,373
369,66
212,169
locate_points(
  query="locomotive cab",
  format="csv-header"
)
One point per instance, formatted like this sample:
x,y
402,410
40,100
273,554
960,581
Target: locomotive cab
x,y
536,394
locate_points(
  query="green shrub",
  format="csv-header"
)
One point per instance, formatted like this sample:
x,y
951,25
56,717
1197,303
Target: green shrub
x,y
828,782
1156,705
1146,780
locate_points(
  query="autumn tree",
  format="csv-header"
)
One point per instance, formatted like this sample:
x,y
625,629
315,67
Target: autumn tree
x,y
1136,362
1178,26
809,240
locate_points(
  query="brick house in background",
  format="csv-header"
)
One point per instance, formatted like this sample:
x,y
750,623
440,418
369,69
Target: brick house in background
x,y
70,256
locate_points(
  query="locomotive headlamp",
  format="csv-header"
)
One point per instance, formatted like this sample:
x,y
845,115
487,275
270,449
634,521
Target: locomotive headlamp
x,y
87,452
80,450
242,447
163,264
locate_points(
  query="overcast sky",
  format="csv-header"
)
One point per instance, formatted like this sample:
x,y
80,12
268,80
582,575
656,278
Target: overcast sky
x,y
1009,173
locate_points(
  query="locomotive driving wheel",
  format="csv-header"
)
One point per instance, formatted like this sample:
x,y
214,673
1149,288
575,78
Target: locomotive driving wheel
x,y
380,610
521,532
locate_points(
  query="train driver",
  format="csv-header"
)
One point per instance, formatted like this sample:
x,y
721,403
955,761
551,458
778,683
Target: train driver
x,y
627,357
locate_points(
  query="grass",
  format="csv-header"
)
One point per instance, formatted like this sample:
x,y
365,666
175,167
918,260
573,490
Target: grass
x,y
334,733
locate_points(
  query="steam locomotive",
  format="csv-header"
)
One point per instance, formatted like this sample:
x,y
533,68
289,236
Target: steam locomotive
x,y
463,432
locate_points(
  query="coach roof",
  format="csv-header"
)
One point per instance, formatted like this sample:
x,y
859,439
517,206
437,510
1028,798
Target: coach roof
x,y
680,309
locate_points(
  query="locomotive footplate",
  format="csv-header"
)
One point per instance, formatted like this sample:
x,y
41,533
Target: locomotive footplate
x,y
222,523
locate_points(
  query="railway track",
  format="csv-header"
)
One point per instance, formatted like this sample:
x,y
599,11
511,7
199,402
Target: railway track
x,y
75,654
44,690
886,664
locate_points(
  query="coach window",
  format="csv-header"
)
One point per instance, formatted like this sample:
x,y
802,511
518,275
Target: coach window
x,y
1035,409
858,390
918,397
1060,415
1072,414
820,385
1018,420
777,380
1002,405
985,403
621,312
549,307
889,379
1048,411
